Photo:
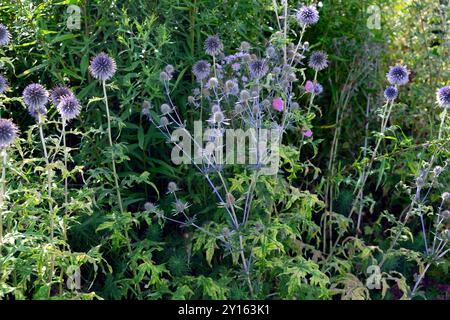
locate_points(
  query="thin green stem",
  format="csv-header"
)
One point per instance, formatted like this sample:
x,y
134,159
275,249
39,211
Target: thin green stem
x,y
2,195
49,191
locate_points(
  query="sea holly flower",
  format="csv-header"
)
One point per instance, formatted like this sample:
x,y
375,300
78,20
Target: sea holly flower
x,y
443,97
318,61
278,104
102,67
307,15
398,75
8,132
5,36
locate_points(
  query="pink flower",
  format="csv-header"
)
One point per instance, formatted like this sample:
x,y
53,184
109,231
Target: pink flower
x,y
308,133
278,104
309,86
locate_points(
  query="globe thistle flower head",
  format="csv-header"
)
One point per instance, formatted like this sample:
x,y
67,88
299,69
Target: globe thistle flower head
x,y
201,69
443,97
58,92
318,61
69,108
307,15
102,67
391,93
8,132
398,75
258,68
35,97
3,84
5,36
213,45
318,89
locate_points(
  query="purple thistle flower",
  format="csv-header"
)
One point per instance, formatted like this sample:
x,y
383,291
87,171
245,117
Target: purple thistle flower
x,y
213,45
5,36
307,15
391,93
8,132
3,84
318,60
35,97
318,89
58,92
69,108
102,67
258,68
443,97
398,75
201,69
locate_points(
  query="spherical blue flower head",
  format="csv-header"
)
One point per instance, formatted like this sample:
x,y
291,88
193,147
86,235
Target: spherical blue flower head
x,y
258,68
307,15
69,108
391,93
318,60
5,36
318,89
102,67
3,84
8,132
35,97
201,69
213,45
58,92
398,75
35,112
443,97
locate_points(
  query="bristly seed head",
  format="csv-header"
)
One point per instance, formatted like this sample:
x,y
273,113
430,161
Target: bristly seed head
x,y
102,67
8,132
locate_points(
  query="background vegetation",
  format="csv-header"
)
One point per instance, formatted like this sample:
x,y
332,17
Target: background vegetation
x,y
309,199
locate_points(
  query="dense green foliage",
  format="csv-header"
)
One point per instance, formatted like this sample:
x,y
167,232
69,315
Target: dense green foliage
x,y
303,240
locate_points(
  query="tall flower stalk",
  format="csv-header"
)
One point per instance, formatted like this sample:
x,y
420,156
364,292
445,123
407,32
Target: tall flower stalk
x,y
8,133
35,96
